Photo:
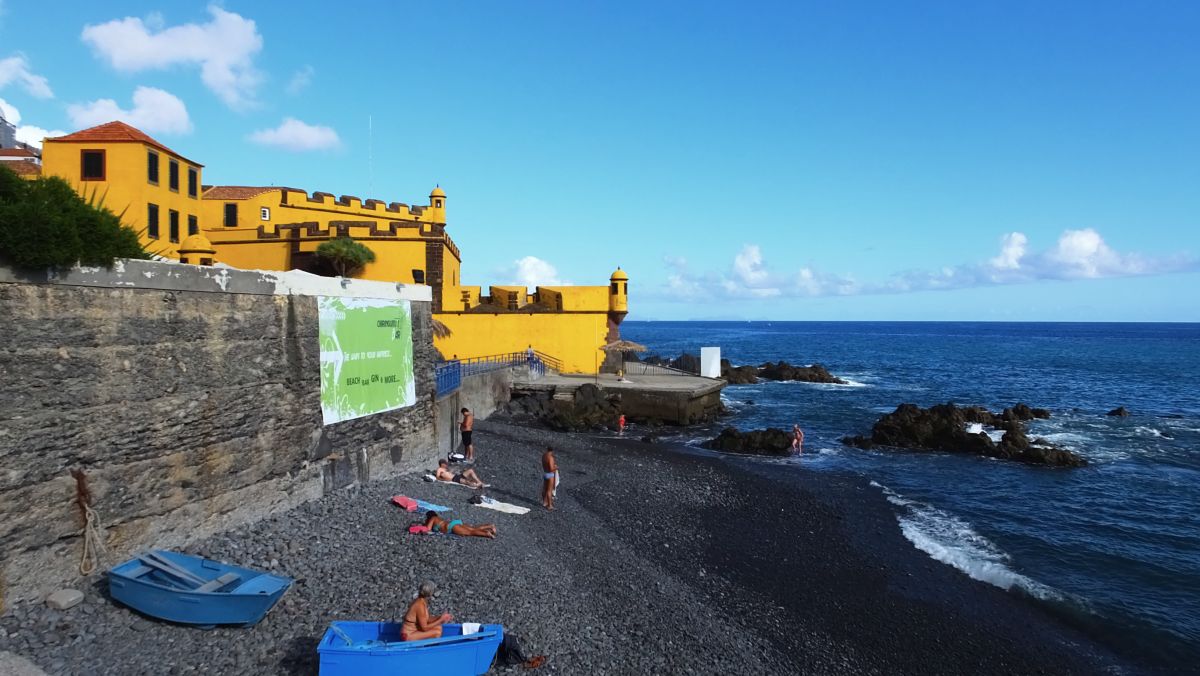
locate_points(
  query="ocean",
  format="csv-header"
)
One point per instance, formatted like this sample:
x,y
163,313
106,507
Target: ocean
x,y
1113,548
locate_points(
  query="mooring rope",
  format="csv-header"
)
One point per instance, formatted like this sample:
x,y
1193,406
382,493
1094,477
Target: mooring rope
x,y
93,542
93,529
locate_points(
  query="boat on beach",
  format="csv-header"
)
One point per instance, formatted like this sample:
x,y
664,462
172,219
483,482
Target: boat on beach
x,y
375,649
194,590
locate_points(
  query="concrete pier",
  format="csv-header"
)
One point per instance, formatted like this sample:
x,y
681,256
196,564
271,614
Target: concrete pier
x,y
675,399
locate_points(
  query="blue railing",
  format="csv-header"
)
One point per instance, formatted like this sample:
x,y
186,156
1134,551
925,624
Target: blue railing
x,y
449,374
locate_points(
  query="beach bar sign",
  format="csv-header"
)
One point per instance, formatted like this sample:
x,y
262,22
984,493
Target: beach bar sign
x,y
366,356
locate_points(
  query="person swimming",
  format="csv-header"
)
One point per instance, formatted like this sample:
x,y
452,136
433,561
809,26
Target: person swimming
x,y
437,524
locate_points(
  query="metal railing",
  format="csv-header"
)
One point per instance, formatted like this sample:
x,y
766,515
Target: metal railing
x,y
640,368
449,374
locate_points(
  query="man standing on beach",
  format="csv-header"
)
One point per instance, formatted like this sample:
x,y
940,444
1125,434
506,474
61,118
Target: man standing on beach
x,y
797,439
549,477
466,427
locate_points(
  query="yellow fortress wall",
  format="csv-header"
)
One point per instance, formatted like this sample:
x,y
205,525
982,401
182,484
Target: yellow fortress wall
x,y
280,228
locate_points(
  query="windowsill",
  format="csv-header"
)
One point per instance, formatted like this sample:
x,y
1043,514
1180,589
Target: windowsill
x,y
92,179
153,183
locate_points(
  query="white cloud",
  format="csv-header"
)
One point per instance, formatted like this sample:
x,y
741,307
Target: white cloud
x,y
15,69
292,134
154,110
33,135
26,133
300,80
532,271
224,49
10,112
1011,251
1077,254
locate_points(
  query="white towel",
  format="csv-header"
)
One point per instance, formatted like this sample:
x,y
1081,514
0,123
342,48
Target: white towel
x,y
557,481
469,628
489,503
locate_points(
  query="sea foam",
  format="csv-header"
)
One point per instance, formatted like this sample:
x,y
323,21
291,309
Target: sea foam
x,y
951,540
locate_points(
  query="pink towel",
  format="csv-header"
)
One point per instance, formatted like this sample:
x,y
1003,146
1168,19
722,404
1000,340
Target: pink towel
x,y
418,529
406,502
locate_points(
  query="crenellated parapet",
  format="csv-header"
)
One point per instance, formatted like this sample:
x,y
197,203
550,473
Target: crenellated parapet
x,y
354,205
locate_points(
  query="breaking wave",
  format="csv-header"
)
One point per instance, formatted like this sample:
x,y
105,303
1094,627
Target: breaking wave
x,y
951,540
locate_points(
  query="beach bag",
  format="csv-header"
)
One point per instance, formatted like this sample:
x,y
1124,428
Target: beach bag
x,y
510,653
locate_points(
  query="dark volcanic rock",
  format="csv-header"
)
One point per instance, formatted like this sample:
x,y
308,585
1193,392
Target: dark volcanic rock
x,y
1119,412
771,441
738,375
944,428
809,374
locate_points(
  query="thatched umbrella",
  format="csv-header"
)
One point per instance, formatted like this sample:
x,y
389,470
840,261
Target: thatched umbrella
x,y
624,346
440,330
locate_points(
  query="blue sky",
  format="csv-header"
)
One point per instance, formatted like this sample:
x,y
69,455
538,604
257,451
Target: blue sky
x,y
926,161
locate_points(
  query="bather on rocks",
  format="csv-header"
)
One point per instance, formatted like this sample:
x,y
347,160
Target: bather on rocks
x,y
437,524
467,477
418,625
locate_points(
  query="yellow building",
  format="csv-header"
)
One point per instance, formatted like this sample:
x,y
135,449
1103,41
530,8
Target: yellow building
x,y
154,189
277,228
160,194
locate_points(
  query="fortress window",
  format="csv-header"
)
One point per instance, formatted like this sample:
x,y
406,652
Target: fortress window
x,y
418,276
231,214
152,221
625,288
193,182
616,288
265,213
193,226
437,203
173,175
152,167
91,165
173,224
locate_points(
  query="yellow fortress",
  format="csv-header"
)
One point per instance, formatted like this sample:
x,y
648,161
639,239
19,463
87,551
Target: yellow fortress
x,y
279,228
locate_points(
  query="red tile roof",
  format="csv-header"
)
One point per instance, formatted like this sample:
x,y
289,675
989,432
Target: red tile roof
x,y
17,152
238,192
24,167
116,132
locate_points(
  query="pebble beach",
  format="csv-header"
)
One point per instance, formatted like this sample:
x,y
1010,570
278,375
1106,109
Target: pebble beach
x,y
656,560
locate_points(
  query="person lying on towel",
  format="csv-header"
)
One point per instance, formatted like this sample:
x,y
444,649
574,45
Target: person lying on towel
x,y
418,625
437,524
467,477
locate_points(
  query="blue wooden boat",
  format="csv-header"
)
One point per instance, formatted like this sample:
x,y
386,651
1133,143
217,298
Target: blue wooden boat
x,y
375,649
194,590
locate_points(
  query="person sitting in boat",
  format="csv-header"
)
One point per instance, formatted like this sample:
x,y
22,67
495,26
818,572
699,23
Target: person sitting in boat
x,y
467,477
437,524
418,625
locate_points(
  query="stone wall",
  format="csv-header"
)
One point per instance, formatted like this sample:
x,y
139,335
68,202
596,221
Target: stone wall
x,y
188,397
482,393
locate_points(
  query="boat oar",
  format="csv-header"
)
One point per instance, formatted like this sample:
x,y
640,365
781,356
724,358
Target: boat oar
x,y
155,561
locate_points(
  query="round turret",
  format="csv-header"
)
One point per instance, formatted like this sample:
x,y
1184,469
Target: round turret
x,y
197,250
437,205
618,292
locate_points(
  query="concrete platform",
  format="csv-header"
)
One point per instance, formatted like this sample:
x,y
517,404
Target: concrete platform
x,y
676,399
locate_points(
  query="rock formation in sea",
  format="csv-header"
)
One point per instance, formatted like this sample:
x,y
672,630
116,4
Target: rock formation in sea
x,y
1119,412
808,374
746,374
944,427
771,441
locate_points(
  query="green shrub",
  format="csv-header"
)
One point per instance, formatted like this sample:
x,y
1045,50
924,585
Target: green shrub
x,y
45,223
345,255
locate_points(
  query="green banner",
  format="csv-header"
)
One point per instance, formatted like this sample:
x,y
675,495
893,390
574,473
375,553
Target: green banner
x,y
366,357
